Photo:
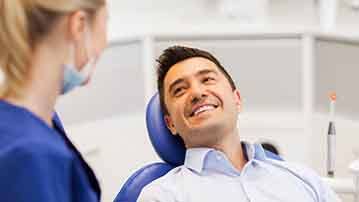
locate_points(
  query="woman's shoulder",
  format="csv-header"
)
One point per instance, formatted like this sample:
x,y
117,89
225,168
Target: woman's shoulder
x,y
25,134
32,146
36,148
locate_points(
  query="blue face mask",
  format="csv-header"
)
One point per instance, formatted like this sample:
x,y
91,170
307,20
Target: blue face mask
x,y
74,78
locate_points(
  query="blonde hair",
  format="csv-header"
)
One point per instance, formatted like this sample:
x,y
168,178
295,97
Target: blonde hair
x,y
23,23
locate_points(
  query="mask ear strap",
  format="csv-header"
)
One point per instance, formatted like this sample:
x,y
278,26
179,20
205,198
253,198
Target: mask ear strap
x,y
72,56
89,68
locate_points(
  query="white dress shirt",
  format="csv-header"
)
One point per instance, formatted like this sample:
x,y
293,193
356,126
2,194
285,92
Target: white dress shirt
x,y
208,176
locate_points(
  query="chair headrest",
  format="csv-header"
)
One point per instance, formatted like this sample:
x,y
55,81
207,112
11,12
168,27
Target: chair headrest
x,y
170,148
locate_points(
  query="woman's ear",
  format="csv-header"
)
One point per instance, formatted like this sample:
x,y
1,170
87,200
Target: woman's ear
x,y
77,25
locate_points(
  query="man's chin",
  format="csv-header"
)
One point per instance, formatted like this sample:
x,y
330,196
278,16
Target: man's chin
x,y
204,126
204,135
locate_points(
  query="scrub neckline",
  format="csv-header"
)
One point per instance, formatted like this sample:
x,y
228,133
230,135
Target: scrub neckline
x,y
29,113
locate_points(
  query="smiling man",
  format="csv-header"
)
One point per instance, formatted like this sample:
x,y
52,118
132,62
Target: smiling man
x,y
201,104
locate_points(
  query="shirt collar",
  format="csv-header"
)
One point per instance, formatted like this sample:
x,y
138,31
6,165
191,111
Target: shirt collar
x,y
254,151
196,158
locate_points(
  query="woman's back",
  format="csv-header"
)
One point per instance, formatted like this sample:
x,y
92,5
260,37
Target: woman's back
x,y
38,163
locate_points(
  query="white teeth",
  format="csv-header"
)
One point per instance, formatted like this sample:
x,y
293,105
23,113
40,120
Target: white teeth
x,y
203,108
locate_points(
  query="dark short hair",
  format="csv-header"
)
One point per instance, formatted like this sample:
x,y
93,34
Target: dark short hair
x,y
176,54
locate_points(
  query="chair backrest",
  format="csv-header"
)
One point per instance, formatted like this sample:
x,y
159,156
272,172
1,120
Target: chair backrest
x,y
169,148
133,186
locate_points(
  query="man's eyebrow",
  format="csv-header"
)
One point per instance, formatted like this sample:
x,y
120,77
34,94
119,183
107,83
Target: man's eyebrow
x,y
173,84
180,80
206,71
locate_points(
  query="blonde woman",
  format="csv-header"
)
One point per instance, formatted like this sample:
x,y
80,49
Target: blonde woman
x,y
47,48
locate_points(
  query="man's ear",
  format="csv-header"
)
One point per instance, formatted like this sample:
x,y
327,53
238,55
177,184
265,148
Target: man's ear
x,y
170,125
237,97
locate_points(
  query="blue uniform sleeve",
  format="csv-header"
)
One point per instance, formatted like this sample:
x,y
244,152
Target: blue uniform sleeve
x,y
35,173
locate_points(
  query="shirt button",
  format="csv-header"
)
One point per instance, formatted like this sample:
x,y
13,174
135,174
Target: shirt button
x,y
218,157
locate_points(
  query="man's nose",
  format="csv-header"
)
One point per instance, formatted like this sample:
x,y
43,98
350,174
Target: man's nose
x,y
197,93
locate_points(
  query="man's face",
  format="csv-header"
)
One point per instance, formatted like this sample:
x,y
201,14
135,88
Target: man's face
x,y
201,104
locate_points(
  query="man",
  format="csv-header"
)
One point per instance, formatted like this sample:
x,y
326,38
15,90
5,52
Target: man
x,y
201,104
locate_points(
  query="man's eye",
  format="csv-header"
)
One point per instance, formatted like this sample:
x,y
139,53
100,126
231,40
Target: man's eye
x,y
208,79
178,91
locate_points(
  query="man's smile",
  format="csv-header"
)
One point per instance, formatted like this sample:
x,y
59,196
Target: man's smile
x,y
201,108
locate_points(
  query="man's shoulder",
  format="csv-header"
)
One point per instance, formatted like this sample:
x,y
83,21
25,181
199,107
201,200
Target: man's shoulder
x,y
322,190
166,187
297,169
168,180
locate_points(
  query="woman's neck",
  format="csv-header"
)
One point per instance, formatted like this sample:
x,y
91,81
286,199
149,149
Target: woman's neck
x,y
43,86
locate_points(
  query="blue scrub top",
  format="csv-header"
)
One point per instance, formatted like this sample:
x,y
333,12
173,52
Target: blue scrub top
x,y
39,163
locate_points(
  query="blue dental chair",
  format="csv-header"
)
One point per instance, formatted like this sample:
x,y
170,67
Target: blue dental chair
x,y
169,148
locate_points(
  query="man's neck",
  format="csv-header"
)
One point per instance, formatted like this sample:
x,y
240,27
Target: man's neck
x,y
231,146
